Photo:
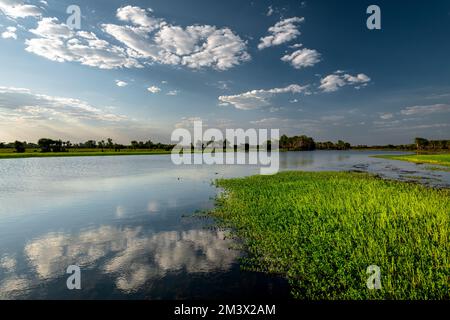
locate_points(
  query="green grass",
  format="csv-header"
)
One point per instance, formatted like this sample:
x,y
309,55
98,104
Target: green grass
x,y
9,154
445,169
438,159
322,230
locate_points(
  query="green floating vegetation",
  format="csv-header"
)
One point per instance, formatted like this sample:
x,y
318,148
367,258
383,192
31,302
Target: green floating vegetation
x,y
438,159
322,230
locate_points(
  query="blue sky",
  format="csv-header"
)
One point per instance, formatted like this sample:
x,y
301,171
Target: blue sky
x,y
140,69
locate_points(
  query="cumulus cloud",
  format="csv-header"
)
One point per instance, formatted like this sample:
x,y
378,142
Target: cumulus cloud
x,y
154,89
17,9
173,93
10,33
121,83
425,110
338,80
260,98
197,46
57,42
270,11
302,58
145,39
139,17
283,31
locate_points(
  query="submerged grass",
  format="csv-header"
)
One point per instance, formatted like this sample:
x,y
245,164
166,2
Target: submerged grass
x,y
321,230
439,159
432,168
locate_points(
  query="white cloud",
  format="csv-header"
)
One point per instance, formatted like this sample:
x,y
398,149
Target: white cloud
x,y
283,31
139,17
188,122
17,9
260,98
28,115
223,85
172,93
296,46
275,109
263,121
57,42
146,39
197,46
332,118
386,116
425,110
10,33
28,105
154,89
337,80
121,83
302,58
270,11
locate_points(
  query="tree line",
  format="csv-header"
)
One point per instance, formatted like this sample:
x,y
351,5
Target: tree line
x,y
295,143
423,144
50,145
420,144
305,143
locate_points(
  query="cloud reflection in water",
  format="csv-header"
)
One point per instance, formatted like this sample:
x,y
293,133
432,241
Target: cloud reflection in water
x,y
132,256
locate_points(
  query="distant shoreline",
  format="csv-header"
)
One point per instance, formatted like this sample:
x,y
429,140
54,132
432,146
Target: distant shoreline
x,y
37,154
14,155
442,159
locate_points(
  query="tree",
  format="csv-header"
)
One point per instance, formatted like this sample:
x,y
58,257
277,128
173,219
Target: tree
x,y
297,143
118,147
19,146
342,145
57,146
421,143
225,145
149,144
269,145
45,144
110,143
90,144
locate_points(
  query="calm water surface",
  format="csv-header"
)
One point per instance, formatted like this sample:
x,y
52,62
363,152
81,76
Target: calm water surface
x,y
126,221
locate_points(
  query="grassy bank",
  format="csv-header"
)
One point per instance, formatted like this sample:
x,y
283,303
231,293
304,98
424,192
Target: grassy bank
x,y
438,159
322,230
5,154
